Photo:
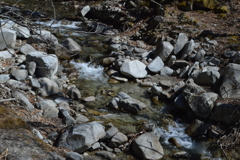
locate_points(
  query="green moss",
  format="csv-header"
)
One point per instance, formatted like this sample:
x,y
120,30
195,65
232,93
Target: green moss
x,y
222,9
222,15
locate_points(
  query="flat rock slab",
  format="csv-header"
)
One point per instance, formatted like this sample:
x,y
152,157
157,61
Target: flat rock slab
x,y
134,69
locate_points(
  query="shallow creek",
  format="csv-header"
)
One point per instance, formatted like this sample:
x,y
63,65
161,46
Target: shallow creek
x,y
92,81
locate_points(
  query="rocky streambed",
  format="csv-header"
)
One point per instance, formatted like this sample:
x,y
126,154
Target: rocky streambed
x,y
87,90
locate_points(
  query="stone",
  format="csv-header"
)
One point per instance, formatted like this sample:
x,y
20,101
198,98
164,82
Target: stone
x,y
31,68
197,128
23,32
187,49
4,78
47,65
27,48
208,78
111,132
7,54
71,45
85,10
229,54
7,38
133,69
81,137
41,36
17,84
117,140
49,108
124,101
166,71
225,113
163,50
204,4
67,119
20,74
105,154
23,99
156,90
231,81
74,156
115,47
48,87
181,41
147,146
156,65
81,118
74,93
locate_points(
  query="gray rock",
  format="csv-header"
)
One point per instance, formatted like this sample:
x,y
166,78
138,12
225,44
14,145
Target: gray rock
x,y
211,60
81,137
164,96
230,87
49,108
187,49
184,72
229,54
171,60
200,55
34,84
20,58
4,78
47,65
37,133
95,146
81,118
180,63
67,119
7,54
202,104
7,38
115,47
226,113
23,32
147,146
17,84
71,45
236,58
166,71
197,128
40,36
31,67
134,69
181,41
85,10
156,65
111,132
208,78
22,98
156,90
74,93
163,50
26,48
20,74
74,156
106,154
48,87
117,140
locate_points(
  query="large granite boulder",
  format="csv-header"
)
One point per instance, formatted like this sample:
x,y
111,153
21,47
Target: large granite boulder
x,y
125,102
134,69
81,137
47,64
230,87
7,38
147,146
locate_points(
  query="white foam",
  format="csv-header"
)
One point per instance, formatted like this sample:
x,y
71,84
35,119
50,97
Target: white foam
x,y
90,72
177,132
57,24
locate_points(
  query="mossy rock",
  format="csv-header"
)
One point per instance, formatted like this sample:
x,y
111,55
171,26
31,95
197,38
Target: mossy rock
x,y
204,4
186,5
222,15
10,120
222,9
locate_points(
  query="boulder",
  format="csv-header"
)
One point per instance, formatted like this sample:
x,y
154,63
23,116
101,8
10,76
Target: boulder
x,y
181,41
42,36
226,113
27,48
4,78
81,137
187,49
156,65
117,140
74,93
147,146
71,45
23,32
48,87
7,54
49,108
230,87
133,69
105,155
7,38
47,65
208,78
74,156
20,74
85,10
204,4
163,50
200,55
124,101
